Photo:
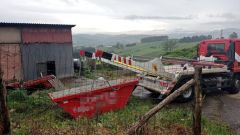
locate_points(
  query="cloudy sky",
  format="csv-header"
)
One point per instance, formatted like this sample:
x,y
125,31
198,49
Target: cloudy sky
x,y
126,16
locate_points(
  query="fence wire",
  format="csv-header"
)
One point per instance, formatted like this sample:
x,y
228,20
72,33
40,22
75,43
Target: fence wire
x,y
33,111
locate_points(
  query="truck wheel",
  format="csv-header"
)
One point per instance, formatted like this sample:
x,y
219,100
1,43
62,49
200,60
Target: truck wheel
x,y
236,87
186,96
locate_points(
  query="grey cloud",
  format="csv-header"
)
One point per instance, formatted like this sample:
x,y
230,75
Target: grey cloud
x,y
185,14
223,24
48,10
70,2
223,15
136,17
28,17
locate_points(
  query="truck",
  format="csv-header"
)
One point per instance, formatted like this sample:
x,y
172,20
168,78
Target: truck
x,y
219,59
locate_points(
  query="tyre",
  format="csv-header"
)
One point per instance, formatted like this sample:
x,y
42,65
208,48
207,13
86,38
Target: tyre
x,y
186,96
236,88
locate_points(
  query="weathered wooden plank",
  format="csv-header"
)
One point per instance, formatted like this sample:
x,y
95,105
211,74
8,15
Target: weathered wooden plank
x,y
197,110
153,111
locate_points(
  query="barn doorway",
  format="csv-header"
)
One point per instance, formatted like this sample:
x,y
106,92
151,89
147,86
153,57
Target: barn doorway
x,y
51,68
46,68
41,69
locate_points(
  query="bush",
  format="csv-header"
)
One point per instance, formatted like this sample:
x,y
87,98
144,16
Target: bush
x,y
131,45
20,101
183,53
153,47
17,95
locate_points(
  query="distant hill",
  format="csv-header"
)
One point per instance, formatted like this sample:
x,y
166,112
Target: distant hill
x,y
104,39
226,32
150,49
94,40
214,33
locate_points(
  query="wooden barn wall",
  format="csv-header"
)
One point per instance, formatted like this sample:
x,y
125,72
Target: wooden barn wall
x,y
32,54
10,62
10,35
46,35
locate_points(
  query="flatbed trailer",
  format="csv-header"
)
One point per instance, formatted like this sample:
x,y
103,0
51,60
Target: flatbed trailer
x,y
164,75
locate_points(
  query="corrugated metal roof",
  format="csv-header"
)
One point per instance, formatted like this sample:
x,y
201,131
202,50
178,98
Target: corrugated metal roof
x,y
8,24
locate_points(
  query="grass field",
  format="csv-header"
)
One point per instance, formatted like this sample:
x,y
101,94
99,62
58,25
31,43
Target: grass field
x,y
36,114
153,49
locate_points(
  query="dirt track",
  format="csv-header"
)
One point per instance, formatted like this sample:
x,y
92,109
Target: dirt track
x,y
219,105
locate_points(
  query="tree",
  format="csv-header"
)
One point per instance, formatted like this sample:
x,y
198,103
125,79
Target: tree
x,y
4,114
233,35
195,38
154,39
119,45
169,45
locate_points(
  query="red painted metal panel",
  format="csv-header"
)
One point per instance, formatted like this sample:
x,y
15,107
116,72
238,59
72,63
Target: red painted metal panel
x,y
119,59
10,61
98,53
82,53
96,101
203,49
130,61
236,65
31,84
125,60
46,35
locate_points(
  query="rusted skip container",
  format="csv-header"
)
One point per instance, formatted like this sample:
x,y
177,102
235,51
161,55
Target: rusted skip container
x,y
10,61
10,35
46,35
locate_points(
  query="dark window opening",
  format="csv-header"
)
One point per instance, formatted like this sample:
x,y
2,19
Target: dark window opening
x,y
51,69
218,47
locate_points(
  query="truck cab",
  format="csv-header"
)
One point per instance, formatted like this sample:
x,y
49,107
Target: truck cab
x,y
224,51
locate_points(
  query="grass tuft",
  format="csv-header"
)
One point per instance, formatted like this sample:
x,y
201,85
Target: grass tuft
x,y
36,114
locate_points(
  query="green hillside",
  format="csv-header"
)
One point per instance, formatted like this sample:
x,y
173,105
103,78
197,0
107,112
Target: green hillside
x,y
94,40
154,49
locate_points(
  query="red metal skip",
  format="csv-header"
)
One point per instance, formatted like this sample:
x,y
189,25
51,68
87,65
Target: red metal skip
x,y
96,101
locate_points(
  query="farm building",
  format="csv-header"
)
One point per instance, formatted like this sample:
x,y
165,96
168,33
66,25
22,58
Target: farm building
x,y
28,51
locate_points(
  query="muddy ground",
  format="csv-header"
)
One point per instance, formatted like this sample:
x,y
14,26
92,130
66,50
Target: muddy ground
x,y
225,107
217,106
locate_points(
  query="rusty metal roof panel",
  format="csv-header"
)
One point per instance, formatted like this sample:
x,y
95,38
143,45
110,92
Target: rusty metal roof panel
x,y
46,35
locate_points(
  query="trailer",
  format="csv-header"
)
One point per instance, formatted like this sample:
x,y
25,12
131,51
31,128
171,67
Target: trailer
x,y
45,82
219,59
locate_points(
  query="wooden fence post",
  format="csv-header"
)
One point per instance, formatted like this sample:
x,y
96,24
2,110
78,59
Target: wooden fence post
x,y
4,115
197,110
153,111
